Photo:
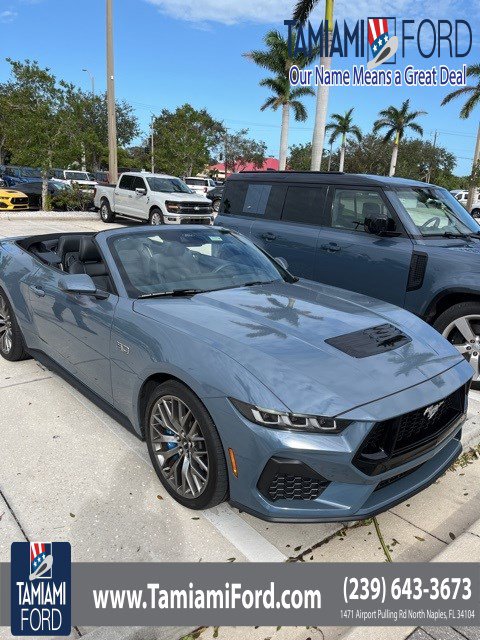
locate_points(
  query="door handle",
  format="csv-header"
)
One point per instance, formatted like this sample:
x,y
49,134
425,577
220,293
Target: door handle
x,y
38,291
269,236
332,247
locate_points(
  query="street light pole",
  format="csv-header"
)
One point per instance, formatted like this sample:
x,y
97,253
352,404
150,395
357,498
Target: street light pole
x,y
92,80
112,117
152,149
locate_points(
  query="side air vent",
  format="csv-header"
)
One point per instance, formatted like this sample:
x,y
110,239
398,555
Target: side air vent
x,y
370,342
418,266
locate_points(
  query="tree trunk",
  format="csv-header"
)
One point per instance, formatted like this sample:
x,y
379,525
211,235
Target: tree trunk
x,y
44,190
284,137
84,158
321,115
393,162
342,153
472,192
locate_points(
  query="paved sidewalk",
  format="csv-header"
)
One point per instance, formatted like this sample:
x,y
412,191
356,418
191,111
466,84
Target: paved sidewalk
x,y
445,633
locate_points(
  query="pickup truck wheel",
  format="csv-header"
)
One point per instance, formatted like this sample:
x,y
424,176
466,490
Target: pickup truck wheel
x,y
460,325
106,214
185,447
156,217
216,204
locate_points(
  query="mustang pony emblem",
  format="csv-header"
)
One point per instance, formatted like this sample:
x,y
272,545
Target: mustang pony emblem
x,y
432,410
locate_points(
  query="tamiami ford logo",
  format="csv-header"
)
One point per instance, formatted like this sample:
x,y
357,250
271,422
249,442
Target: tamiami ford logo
x,y
40,587
382,42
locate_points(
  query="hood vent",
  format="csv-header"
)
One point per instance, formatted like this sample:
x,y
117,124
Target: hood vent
x,y
370,342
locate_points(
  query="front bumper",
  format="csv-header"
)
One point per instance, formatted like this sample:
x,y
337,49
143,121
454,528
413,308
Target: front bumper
x,y
347,493
172,218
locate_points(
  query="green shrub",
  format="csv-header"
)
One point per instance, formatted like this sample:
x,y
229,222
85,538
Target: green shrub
x,y
71,199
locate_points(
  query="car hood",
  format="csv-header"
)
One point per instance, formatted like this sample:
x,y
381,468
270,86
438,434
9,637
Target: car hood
x,y
14,193
186,197
278,333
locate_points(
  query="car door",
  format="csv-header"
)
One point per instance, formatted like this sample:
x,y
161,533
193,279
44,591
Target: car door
x,y
351,258
290,227
233,212
123,193
138,202
74,329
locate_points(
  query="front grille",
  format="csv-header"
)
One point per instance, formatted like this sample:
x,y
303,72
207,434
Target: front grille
x,y
285,479
286,487
195,208
399,476
195,221
392,442
19,200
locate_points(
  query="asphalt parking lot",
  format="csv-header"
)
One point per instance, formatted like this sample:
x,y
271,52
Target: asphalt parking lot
x,y
68,471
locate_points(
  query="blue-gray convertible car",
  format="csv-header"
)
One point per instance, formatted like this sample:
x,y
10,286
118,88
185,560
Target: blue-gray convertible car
x,y
292,399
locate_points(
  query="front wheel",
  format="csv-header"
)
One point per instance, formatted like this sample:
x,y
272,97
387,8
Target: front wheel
x,y
156,217
476,214
11,340
106,214
460,325
185,447
216,205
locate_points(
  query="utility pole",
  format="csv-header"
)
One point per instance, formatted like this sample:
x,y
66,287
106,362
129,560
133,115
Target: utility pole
x,y
112,116
434,146
152,149
472,191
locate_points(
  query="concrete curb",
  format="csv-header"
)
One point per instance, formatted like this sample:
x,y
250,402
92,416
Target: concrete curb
x,y
465,548
49,215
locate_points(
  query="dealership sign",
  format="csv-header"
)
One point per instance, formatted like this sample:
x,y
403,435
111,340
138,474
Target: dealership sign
x,y
381,42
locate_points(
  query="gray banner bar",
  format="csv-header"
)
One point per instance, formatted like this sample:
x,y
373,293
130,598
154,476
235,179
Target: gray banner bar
x,y
344,594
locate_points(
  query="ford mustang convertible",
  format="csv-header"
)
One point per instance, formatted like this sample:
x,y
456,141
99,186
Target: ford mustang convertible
x,y
293,400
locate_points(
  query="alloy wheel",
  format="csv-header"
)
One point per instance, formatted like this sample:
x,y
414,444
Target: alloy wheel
x,y
104,212
156,219
6,335
464,334
179,446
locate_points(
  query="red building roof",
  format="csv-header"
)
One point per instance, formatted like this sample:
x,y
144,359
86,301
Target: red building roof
x,y
270,163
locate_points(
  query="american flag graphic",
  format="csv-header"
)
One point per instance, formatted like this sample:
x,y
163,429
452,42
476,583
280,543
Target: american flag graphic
x,y
377,34
39,551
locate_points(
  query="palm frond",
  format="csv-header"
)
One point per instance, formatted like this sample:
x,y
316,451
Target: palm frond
x,y
270,103
303,9
298,92
416,127
299,111
470,104
456,94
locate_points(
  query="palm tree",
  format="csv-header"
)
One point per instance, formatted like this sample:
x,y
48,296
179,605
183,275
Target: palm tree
x,y
473,100
302,10
396,122
278,60
342,125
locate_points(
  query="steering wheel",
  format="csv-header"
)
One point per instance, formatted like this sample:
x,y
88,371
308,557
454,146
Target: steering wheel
x,y
435,220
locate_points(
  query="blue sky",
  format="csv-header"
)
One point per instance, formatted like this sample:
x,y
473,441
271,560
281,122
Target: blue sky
x,y
169,52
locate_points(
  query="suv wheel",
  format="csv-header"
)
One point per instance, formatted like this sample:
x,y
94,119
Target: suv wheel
x,y
185,447
11,339
106,214
216,204
156,217
476,214
460,325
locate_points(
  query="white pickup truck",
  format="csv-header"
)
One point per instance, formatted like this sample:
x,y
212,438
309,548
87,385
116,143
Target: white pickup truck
x,y
153,197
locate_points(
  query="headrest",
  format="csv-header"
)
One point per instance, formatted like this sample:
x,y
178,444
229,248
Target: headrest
x,y
370,209
68,244
174,249
89,251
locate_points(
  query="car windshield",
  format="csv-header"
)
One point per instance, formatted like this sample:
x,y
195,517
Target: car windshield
x,y
168,185
76,175
178,260
435,212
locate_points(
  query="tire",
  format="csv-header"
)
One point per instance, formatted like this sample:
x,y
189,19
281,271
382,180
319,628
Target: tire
x,y
156,216
106,214
476,214
12,346
216,204
210,488
460,325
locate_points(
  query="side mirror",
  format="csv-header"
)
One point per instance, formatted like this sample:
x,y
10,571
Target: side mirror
x,y
140,192
80,283
282,262
377,224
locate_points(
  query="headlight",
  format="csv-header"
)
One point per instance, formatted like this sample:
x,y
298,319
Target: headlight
x,y
172,207
289,421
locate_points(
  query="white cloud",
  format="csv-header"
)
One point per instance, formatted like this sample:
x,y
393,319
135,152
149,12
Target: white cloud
x,y
274,12
7,16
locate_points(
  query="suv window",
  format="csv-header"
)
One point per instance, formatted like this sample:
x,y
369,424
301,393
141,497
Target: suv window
x,y
196,181
258,200
126,182
304,205
351,207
